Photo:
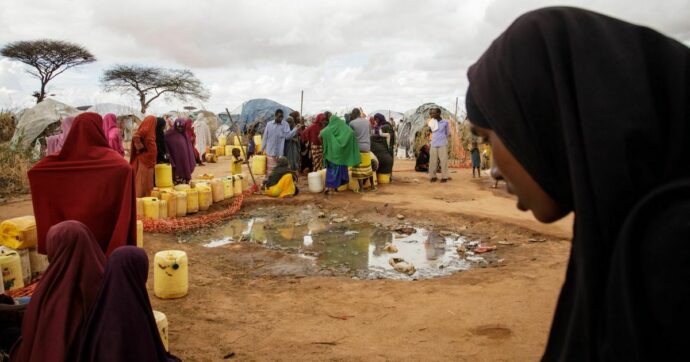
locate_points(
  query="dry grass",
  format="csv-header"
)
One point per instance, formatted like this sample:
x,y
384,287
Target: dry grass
x,y
14,164
7,125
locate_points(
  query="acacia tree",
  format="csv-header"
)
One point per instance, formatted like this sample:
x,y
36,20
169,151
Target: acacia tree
x,y
149,83
49,58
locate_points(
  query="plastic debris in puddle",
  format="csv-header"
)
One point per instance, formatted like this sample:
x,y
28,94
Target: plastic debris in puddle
x,y
219,242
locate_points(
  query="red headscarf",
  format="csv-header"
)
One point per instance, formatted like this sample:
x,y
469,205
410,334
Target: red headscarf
x,y
87,181
60,304
311,134
146,134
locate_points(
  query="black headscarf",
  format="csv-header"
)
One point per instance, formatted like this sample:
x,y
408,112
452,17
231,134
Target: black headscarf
x,y
162,156
598,112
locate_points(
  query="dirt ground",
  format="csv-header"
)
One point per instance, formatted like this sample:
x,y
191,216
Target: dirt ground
x,y
242,303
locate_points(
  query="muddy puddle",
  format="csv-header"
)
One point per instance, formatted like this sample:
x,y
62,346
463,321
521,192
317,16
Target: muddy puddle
x,y
345,245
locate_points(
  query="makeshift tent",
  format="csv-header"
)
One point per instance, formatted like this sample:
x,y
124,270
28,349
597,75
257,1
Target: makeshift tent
x,y
34,121
412,131
257,112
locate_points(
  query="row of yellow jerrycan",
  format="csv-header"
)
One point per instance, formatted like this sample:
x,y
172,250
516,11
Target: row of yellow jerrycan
x,y
185,199
19,260
20,267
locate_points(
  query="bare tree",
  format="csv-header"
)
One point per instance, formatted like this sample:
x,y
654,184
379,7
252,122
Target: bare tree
x,y
49,58
149,83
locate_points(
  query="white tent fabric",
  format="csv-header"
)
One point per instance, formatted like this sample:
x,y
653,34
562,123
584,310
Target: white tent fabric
x,y
34,120
116,109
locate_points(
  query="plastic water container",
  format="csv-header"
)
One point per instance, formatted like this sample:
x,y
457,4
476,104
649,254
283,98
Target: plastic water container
x,y
245,181
163,175
205,197
236,140
259,165
11,267
182,187
228,150
257,142
315,182
26,265
217,190
39,263
170,199
384,178
222,141
352,184
237,184
192,201
170,274
19,232
151,208
140,233
140,207
162,209
162,324
220,150
228,190
180,203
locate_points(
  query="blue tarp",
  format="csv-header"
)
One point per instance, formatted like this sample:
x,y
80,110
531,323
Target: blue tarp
x,y
257,112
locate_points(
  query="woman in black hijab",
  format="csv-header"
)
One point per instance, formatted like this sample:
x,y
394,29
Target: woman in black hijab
x,y
577,107
162,156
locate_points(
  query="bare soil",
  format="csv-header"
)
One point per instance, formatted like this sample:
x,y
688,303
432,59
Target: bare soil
x,y
264,304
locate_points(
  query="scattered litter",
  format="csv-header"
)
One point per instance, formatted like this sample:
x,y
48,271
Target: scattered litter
x,y
308,240
536,240
484,249
505,242
221,242
400,216
405,230
476,259
229,355
340,219
341,317
351,232
462,250
321,215
390,248
400,265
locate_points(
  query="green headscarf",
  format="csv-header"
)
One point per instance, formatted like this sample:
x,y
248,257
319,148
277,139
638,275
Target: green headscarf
x,y
339,143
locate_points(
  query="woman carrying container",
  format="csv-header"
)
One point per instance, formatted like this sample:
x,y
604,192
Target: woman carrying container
x,y
143,156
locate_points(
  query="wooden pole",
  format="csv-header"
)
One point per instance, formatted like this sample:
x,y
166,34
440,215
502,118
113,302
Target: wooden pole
x,y
242,149
456,109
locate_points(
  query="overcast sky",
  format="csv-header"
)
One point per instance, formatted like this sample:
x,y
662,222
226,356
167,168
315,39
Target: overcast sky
x,y
375,54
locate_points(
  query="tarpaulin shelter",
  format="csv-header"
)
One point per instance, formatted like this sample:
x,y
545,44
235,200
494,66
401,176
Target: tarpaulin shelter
x,y
257,112
412,132
37,119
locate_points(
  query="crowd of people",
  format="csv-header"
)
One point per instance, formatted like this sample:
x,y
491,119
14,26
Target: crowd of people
x,y
355,147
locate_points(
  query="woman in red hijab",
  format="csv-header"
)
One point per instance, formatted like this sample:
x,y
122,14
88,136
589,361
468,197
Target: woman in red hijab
x,y
89,182
143,156
311,135
53,322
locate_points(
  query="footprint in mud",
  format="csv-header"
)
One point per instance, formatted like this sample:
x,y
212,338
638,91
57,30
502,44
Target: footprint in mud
x,y
493,331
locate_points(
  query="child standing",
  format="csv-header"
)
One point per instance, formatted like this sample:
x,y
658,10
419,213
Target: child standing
x,y
476,161
237,161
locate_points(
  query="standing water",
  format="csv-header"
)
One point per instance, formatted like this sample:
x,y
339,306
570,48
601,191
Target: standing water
x,y
346,248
